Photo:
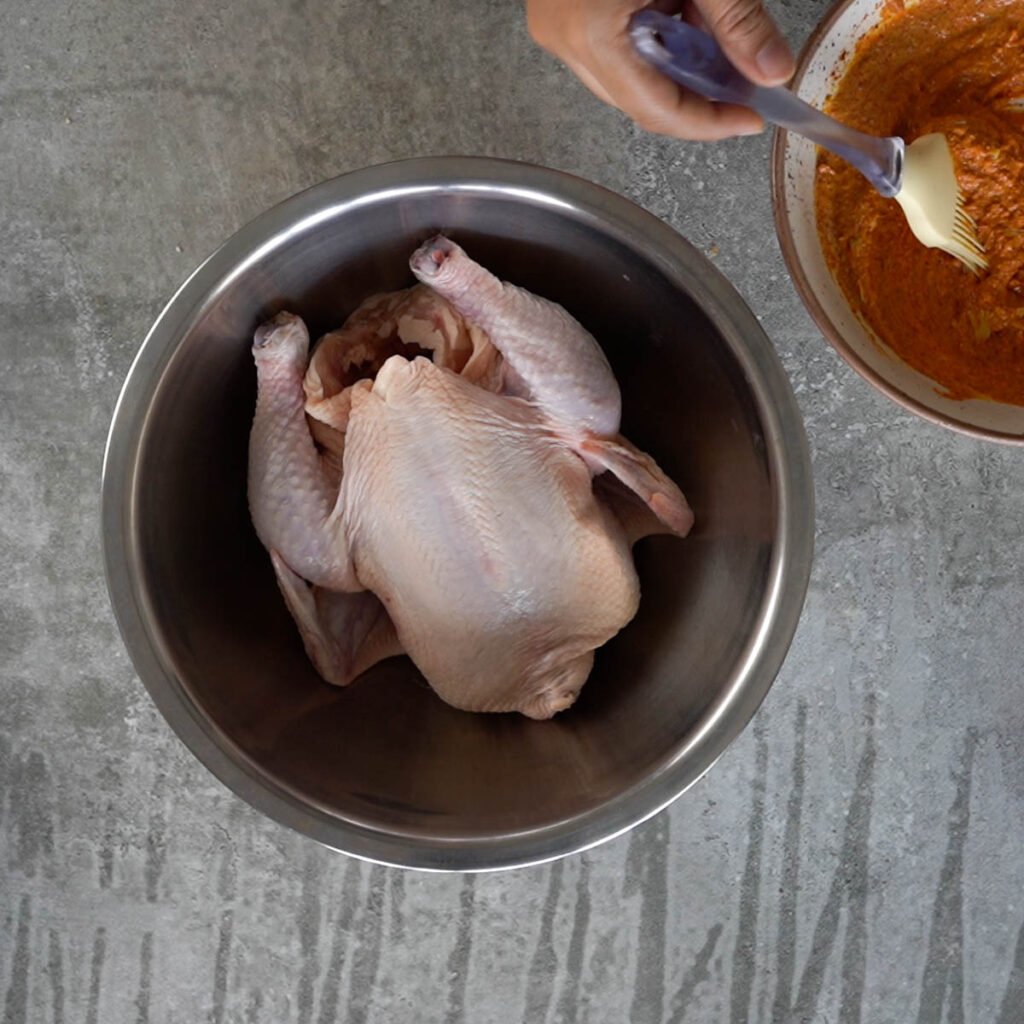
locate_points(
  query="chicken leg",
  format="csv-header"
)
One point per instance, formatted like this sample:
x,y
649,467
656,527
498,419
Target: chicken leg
x,y
291,497
555,363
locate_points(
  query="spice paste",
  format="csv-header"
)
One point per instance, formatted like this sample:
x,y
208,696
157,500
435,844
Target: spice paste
x,y
949,66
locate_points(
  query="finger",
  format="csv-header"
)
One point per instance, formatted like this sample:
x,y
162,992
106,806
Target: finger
x,y
592,84
692,16
653,100
698,120
749,38
675,112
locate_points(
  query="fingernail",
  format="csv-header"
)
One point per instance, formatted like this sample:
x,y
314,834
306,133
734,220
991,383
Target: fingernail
x,y
750,129
774,60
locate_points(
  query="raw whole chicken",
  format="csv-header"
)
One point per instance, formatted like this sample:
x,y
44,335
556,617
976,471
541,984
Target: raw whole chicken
x,y
424,484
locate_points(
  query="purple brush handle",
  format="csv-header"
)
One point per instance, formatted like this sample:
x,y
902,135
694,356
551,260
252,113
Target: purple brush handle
x,y
695,60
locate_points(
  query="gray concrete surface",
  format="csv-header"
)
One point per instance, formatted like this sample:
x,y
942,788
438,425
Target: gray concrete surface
x,y
856,856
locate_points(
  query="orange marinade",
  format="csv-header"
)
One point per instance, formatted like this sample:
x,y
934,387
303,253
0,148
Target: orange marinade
x,y
937,66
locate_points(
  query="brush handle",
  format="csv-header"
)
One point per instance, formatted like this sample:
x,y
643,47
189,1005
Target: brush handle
x,y
695,60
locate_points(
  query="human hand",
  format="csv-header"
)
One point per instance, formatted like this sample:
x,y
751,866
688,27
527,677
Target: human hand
x,y
592,38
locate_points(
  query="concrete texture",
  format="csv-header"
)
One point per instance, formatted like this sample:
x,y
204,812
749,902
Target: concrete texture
x,y
856,856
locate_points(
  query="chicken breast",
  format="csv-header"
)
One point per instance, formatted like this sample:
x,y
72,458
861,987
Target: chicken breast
x,y
481,535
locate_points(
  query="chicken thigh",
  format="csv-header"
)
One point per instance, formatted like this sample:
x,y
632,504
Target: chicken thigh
x,y
452,514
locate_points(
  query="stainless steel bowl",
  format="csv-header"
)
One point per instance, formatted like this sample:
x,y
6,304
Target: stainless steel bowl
x,y
383,769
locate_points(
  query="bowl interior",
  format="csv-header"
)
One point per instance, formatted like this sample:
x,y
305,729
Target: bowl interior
x,y
385,755
825,59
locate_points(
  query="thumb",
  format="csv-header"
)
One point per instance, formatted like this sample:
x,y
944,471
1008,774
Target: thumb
x,y
749,38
